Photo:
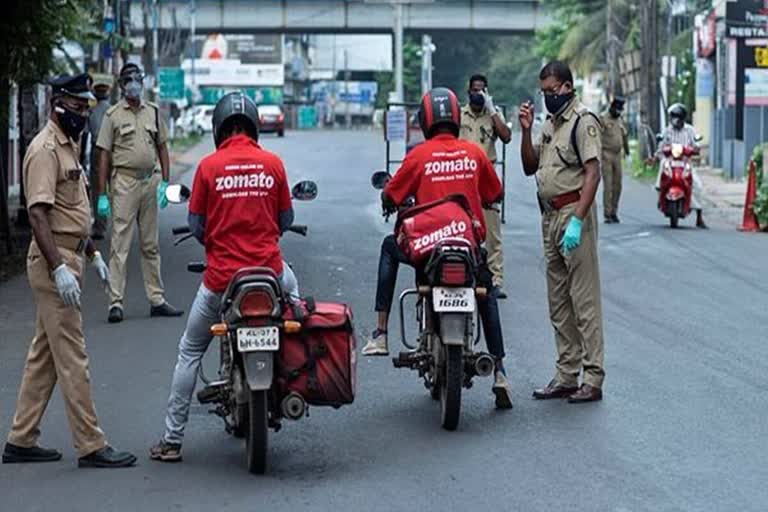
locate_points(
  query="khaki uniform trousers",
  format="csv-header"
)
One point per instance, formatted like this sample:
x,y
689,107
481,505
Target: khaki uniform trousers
x,y
57,353
134,202
612,176
494,244
573,285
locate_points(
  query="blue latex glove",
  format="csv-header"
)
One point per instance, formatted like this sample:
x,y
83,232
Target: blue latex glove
x,y
162,201
572,237
103,208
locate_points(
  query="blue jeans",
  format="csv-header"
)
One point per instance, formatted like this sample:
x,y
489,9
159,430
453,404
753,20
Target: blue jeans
x,y
392,256
205,311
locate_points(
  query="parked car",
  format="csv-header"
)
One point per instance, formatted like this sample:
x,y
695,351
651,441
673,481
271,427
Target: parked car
x,y
271,119
197,119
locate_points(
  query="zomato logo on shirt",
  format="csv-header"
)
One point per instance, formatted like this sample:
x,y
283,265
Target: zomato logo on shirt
x,y
450,166
254,184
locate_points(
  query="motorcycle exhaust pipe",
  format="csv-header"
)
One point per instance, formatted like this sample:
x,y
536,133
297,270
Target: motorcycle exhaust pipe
x,y
294,406
484,365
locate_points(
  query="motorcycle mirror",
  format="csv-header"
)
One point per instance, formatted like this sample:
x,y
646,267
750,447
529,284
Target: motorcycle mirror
x,y
659,137
380,179
177,194
698,138
304,190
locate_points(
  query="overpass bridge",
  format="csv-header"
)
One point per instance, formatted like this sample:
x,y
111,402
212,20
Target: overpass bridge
x,y
346,16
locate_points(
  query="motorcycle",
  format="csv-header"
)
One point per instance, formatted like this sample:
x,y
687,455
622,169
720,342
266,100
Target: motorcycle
x,y
447,315
676,185
261,330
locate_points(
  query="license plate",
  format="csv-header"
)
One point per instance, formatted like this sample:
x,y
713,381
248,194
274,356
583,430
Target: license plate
x,y
258,339
453,300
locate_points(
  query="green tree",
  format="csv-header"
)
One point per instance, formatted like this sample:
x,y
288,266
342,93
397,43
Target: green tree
x,y
29,32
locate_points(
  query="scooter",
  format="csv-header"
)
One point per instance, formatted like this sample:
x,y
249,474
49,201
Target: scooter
x,y
258,324
676,187
447,315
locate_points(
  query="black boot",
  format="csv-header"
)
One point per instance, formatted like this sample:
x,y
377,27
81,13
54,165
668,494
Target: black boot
x,y
14,453
700,220
164,309
107,457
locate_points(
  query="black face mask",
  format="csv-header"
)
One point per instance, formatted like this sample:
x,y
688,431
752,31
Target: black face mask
x,y
678,122
615,113
556,102
476,99
71,122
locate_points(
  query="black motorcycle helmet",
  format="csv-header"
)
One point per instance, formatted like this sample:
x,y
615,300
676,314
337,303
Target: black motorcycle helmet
x,y
439,107
677,114
235,107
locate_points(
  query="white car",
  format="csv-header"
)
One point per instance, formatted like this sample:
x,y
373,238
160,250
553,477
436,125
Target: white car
x,y
197,119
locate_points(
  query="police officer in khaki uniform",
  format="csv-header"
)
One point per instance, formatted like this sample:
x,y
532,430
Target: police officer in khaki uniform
x,y
615,141
566,162
102,84
134,136
59,212
483,124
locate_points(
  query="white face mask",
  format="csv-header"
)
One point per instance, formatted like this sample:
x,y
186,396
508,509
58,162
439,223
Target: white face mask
x,y
133,90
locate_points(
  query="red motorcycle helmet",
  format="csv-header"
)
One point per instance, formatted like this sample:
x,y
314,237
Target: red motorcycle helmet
x,y
439,107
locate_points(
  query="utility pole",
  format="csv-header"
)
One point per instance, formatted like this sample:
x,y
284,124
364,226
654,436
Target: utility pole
x,y
427,48
398,26
611,54
649,102
192,26
347,114
333,84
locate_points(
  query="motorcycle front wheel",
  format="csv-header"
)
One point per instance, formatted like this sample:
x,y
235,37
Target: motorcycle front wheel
x,y
450,387
256,442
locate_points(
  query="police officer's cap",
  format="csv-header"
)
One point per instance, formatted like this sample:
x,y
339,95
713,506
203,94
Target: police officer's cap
x,y
78,86
618,103
130,68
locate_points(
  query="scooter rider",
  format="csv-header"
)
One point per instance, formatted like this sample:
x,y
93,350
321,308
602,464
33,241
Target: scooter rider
x,y
238,230
440,121
680,132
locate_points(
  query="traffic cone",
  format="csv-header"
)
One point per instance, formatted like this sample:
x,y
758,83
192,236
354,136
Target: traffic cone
x,y
750,219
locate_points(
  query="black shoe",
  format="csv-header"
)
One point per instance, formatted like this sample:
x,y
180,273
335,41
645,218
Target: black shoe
x,y
165,309
107,457
115,315
616,219
501,294
13,454
609,220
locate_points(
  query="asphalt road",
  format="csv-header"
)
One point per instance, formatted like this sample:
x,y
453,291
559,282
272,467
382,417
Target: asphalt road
x,y
682,425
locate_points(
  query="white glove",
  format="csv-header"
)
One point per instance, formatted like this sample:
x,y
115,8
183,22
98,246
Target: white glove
x,y
489,106
101,267
67,285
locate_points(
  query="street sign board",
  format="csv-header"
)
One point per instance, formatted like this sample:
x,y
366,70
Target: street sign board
x,y
395,125
171,83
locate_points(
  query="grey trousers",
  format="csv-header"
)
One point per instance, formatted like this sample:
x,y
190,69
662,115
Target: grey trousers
x,y
192,347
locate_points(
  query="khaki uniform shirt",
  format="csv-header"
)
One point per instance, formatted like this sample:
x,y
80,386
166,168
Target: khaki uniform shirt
x,y
559,171
614,133
53,176
478,128
132,136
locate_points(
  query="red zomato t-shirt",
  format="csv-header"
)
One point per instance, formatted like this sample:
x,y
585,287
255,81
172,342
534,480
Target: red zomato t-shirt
x,y
240,189
445,165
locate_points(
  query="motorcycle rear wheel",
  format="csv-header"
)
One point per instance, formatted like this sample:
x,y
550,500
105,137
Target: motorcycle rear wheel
x,y
256,442
450,387
674,214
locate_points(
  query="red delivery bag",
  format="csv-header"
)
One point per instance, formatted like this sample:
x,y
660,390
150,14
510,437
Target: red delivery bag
x,y
419,229
319,363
